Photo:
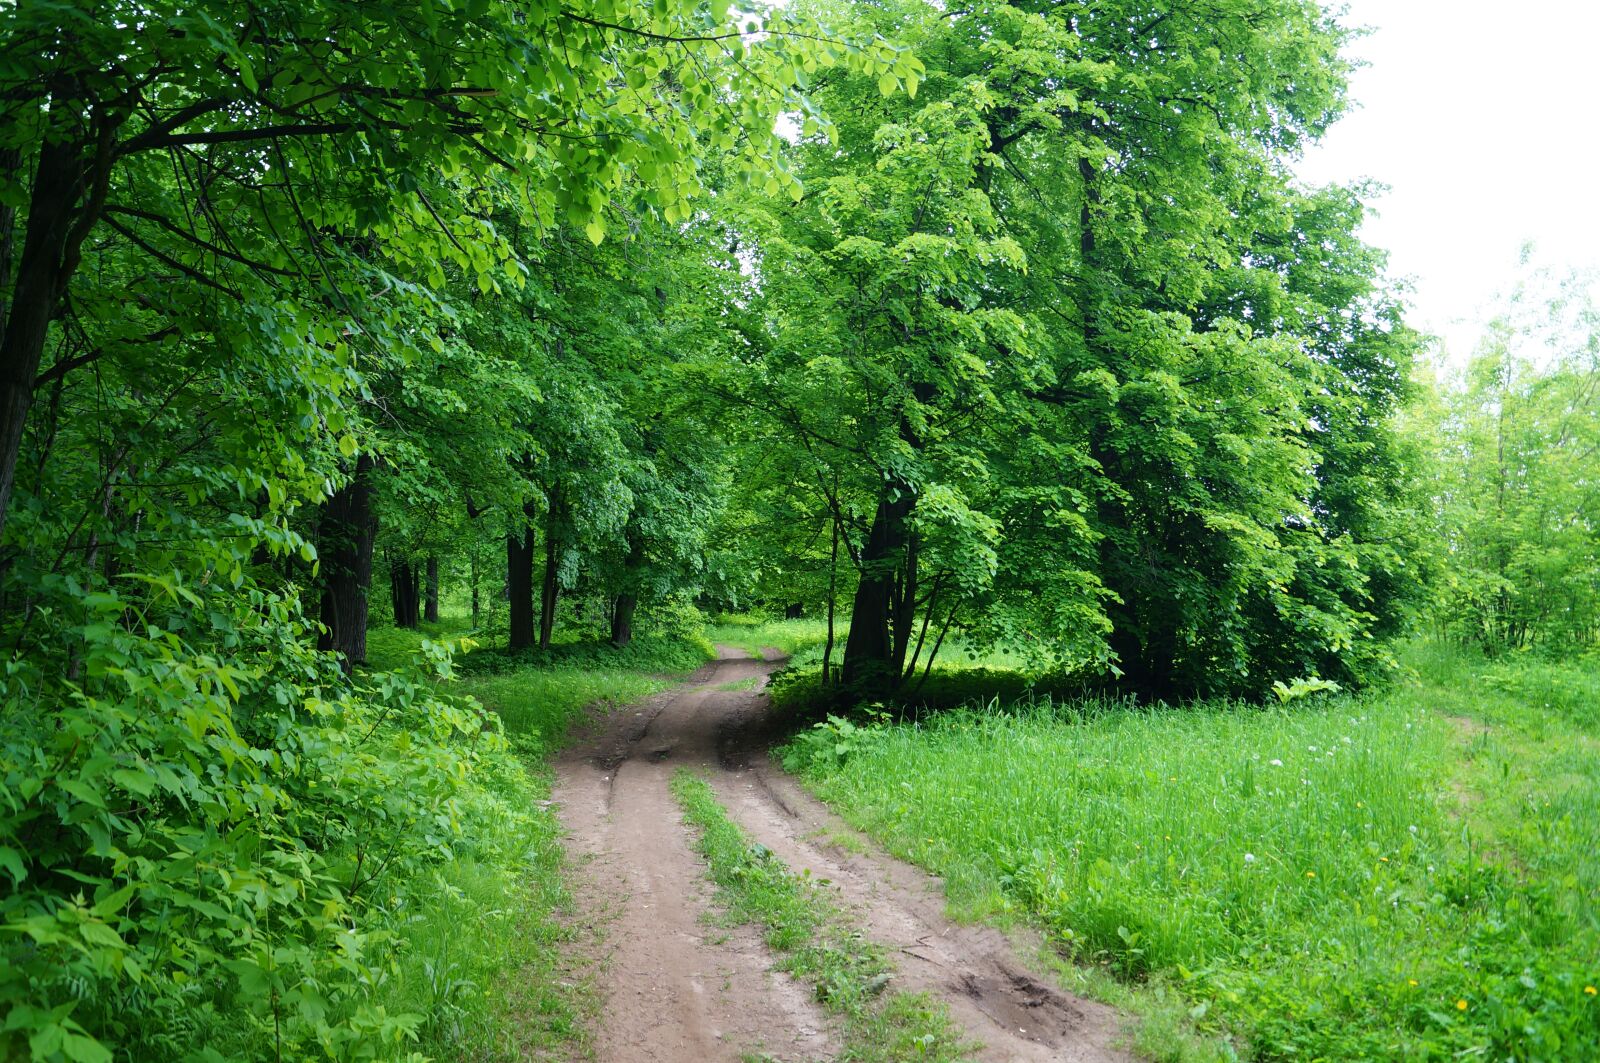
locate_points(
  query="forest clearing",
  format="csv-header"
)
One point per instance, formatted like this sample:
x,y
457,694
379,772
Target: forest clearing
x,y
807,531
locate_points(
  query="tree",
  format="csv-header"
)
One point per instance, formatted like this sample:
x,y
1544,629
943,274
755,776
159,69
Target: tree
x,y
234,241
1066,316
1513,484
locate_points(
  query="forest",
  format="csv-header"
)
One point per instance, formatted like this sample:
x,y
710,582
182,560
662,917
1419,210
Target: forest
x,y
1047,479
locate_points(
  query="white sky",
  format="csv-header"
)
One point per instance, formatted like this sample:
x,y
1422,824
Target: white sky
x,y
1483,118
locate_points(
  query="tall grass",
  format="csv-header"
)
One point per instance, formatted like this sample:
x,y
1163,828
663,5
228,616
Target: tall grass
x,y
1352,879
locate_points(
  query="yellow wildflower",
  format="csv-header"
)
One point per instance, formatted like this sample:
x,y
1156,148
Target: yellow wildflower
x,y
1461,1005
1411,981
1311,874
1589,989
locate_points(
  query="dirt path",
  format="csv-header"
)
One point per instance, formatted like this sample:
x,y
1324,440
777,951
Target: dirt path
x,y
677,990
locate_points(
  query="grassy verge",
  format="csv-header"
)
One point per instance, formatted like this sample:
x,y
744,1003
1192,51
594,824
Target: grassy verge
x,y
849,974
477,948
1410,875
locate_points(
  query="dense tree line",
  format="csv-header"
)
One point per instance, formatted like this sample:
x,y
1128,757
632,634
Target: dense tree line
x,y
1510,457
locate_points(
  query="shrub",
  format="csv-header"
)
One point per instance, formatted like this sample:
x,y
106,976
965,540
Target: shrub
x,y
206,830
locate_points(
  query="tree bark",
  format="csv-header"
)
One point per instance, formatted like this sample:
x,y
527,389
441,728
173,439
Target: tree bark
x,y
833,586
344,544
869,647
430,611
519,583
49,258
622,620
551,588
403,592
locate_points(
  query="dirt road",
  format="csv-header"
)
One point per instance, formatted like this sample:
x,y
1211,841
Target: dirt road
x,y
679,990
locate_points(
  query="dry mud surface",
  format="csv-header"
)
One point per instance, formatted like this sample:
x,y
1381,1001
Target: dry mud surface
x,y
677,989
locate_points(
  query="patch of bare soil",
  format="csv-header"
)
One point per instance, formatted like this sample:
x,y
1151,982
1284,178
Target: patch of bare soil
x,y
677,990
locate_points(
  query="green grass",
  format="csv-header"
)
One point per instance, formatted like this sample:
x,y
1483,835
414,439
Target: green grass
x,y
1410,875
848,973
538,694
753,634
478,951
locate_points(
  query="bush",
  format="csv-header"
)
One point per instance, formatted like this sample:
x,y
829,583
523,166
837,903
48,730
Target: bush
x,y
208,833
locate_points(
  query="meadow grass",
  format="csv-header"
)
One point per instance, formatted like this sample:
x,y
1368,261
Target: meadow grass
x,y
816,942
478,951
1406,875
754,633
538,694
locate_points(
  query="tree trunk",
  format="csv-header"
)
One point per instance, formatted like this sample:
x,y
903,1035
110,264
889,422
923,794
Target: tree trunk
x,y
49,258
519,583
431,608
474,578
904,606
403,592
551,589
344,545
622,620
869,663
833,587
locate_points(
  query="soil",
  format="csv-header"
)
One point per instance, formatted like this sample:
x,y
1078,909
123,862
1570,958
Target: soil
x,y
679,988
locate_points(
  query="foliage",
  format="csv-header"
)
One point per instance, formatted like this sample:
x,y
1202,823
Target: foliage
x,y
1515,457
1409,875
203,854
1063,357
280,290
848,973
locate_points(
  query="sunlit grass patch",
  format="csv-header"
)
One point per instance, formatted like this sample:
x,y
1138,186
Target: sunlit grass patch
x,y
755,634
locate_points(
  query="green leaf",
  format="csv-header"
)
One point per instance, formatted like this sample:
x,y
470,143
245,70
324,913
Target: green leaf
x,y
82,1049
11,860
137,782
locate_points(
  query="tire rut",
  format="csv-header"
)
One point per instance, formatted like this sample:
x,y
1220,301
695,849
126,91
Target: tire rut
x,y
674,989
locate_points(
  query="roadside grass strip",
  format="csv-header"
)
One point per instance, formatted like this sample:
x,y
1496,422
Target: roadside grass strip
x,y
849,974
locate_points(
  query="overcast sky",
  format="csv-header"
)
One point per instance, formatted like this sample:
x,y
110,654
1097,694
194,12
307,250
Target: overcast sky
x,y
1483,118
